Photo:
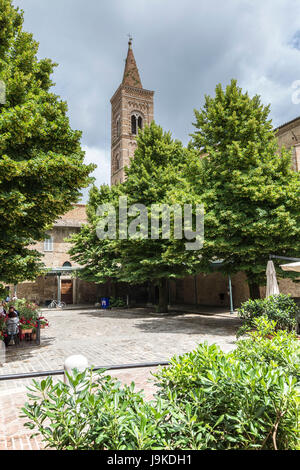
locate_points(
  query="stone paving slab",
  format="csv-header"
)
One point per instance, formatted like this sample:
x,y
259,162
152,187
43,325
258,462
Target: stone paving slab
x,y
105,338
121,336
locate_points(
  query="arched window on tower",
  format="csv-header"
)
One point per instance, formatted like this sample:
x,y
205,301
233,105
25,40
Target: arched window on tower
x,y
133,125
136,123
118,127
117,164
140,122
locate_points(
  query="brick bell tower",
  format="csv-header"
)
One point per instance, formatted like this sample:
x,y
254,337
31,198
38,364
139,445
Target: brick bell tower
x,y
131,109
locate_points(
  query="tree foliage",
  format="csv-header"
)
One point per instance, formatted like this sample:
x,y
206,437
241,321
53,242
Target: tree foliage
x,y
156,176
250,192
232,166
41,161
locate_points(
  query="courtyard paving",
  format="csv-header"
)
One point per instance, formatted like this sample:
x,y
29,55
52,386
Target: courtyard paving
x,y
106,338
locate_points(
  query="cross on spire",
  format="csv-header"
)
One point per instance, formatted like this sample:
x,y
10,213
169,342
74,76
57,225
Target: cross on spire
x,y
129,39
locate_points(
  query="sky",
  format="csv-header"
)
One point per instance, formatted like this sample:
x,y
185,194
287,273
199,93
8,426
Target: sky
x,y
182,49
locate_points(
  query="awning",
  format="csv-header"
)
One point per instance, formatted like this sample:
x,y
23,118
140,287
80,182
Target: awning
x,y
63,270
291,267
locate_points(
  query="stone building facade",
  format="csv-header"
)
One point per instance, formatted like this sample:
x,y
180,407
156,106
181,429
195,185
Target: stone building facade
x,y
288,135
131,109
55,256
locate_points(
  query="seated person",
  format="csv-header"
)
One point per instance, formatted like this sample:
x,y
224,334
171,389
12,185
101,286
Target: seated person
x,y
13,310
12,326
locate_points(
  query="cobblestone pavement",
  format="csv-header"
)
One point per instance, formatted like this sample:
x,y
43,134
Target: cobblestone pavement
x,y
104,337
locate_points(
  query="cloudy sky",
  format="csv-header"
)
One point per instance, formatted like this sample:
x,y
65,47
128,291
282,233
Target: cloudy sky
x,y
182,48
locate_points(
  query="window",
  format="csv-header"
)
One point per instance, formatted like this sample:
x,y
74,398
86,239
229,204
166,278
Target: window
x,y
67,264
118,127
133,124
136,123
140,122
48,244
116,162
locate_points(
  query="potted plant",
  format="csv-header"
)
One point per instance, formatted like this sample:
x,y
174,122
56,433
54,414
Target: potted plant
x,y
43,322
26,328
33,334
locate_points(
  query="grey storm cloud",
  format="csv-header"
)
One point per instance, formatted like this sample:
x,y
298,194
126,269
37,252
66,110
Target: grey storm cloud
x,y
182,48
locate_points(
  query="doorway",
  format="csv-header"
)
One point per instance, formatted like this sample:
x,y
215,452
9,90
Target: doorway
x,y
67,291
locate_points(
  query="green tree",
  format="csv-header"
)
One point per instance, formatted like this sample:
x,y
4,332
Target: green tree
x,y
250,192
41,161
99,258
157,175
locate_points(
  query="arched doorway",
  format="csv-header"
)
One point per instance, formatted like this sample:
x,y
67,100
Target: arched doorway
x,y
67,287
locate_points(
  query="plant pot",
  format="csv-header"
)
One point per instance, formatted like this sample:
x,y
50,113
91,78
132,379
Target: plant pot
x,y
27,331
42,327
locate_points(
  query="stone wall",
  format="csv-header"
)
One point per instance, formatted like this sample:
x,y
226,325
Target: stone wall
x,y
210,290
59,255
213,290
44,288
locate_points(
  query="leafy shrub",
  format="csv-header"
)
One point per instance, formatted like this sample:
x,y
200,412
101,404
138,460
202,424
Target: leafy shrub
x,y
268,345
245,405
101,415
116,302
91,414
280,308
247,399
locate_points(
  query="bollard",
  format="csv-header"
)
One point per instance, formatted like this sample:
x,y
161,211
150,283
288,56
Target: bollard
x,y
78,362
2,352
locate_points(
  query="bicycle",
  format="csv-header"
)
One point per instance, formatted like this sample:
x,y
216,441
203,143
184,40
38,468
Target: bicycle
x,y
57,304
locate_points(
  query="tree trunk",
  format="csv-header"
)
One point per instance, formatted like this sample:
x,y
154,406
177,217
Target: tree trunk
x,y
113,289
162,296
254,290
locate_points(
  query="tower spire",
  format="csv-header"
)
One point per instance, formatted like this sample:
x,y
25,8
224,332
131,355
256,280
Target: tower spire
x,y
131,75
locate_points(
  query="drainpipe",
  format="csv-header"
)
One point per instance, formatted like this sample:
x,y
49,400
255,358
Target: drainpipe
x,y
230,295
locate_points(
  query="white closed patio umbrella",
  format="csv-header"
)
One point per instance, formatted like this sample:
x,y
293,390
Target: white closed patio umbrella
x,y
291,267
272,284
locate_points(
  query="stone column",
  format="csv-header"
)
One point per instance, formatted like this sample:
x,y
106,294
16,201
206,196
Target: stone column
x,y
58,288
74,290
